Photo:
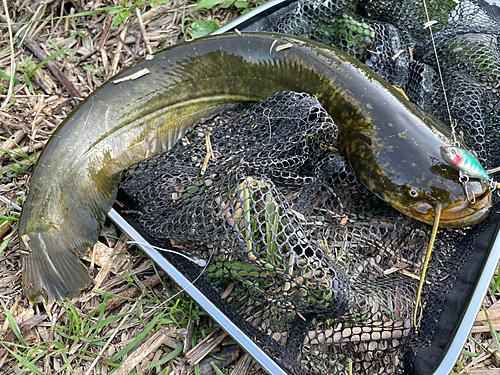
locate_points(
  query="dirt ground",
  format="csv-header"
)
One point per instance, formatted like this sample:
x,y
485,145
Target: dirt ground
x,y
73,337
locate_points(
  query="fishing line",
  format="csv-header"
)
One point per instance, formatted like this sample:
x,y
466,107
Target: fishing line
x,y
418,311
429,23
199,262
493,184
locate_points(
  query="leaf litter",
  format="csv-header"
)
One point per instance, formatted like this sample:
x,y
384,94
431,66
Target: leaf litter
x,y
121,321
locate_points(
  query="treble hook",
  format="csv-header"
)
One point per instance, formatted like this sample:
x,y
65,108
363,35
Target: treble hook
x,y
464,178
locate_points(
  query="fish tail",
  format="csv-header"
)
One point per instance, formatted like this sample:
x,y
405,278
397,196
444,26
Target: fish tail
x,y
56,236
57,276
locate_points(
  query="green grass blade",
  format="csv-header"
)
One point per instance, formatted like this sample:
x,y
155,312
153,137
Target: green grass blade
x,y
462,367
492,331
207,4
4,244
217,370
21,154
167,358
103,322
24,362
13,324
479,344
138,339
27,81
76,15
53,56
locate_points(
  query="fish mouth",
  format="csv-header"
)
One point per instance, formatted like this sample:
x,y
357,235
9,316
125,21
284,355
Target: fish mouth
x,y
459,215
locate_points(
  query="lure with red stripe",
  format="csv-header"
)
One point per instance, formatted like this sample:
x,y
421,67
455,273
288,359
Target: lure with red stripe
x,y
463,161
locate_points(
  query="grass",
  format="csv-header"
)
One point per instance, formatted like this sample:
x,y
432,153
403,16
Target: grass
x,y
120,13
21,161
77,332
482,346
27,69
84,334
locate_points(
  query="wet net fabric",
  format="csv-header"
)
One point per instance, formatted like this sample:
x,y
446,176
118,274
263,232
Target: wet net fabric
x,y
310,264
381,35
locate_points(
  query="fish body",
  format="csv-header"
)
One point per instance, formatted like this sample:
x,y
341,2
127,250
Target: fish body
x,y
392,145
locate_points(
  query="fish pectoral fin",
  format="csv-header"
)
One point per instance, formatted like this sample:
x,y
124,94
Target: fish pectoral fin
x,y
53,270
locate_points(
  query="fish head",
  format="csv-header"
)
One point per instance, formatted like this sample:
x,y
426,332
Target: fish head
x,y
415,170
463,203
458,210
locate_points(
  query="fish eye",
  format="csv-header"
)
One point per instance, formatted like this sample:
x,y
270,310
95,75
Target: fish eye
x,y
414,193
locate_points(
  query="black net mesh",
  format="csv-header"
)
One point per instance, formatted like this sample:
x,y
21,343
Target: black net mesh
x,y
316,269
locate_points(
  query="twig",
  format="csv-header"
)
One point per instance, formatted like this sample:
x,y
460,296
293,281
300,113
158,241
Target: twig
x,y
283,47
132,77
10,203
209,154
11,142
430,23
132,292
104,35
151,344
410,50
3,230
40,54
13,70
243,366
201,350
111,338
125,47
87,56
188,339
143,31
118,52
137,42
396,56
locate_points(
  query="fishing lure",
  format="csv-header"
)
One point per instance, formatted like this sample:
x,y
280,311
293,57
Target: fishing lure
x,y
464,162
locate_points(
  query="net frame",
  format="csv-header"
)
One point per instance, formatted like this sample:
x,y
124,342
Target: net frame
x,y
489,254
